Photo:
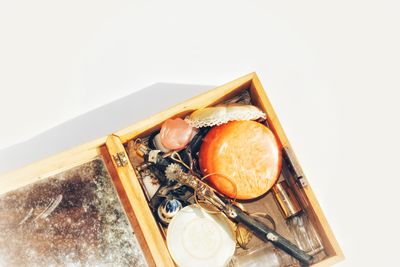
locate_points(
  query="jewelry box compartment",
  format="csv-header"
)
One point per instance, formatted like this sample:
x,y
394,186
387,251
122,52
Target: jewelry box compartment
x,y
289,207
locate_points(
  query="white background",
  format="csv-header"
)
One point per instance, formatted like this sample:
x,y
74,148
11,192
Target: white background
x,y
331,69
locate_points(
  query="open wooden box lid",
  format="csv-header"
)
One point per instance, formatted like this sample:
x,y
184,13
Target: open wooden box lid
x,y
111,149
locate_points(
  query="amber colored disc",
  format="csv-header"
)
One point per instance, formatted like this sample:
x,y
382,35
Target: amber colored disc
x,y
247,153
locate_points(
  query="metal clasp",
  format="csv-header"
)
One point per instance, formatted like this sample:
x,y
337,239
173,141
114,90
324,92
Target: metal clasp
x,y
272,237
120,159
294,167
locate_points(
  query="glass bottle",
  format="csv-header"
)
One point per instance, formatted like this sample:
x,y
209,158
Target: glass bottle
x,y
303,231
265,255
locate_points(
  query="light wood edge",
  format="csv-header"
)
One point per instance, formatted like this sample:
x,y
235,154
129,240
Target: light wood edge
x,y
191,104
138,201
50,166
267,106
128,208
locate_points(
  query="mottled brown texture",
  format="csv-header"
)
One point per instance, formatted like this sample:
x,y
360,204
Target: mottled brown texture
x,y
87,228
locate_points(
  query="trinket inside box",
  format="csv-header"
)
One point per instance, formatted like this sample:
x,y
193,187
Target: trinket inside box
x,y
243,159
168,209
176,134
197,238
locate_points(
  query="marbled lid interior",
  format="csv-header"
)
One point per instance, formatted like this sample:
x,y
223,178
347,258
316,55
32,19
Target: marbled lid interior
x,y
74,218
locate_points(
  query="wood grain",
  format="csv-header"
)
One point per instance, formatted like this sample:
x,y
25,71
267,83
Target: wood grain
x,y
129,209
137,199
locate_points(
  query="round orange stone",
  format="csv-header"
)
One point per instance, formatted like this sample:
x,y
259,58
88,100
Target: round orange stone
x,y
242,153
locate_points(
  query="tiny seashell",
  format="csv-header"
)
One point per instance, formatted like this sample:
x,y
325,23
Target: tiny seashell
x,y
168,209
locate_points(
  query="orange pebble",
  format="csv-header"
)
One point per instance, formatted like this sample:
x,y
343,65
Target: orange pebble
x,y
244,153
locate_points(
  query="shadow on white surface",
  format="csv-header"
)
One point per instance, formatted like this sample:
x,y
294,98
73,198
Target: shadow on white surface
x,y
98,122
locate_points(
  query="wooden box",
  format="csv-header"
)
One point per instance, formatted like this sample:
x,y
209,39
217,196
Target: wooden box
x,y
112,151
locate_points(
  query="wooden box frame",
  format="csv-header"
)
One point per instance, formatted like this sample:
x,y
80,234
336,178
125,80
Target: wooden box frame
x,y
128,186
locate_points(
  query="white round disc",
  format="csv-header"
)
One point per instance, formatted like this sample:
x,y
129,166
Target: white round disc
x,y
197,238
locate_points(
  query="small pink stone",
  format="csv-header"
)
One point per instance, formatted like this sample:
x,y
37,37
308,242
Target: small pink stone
x,y
175,133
